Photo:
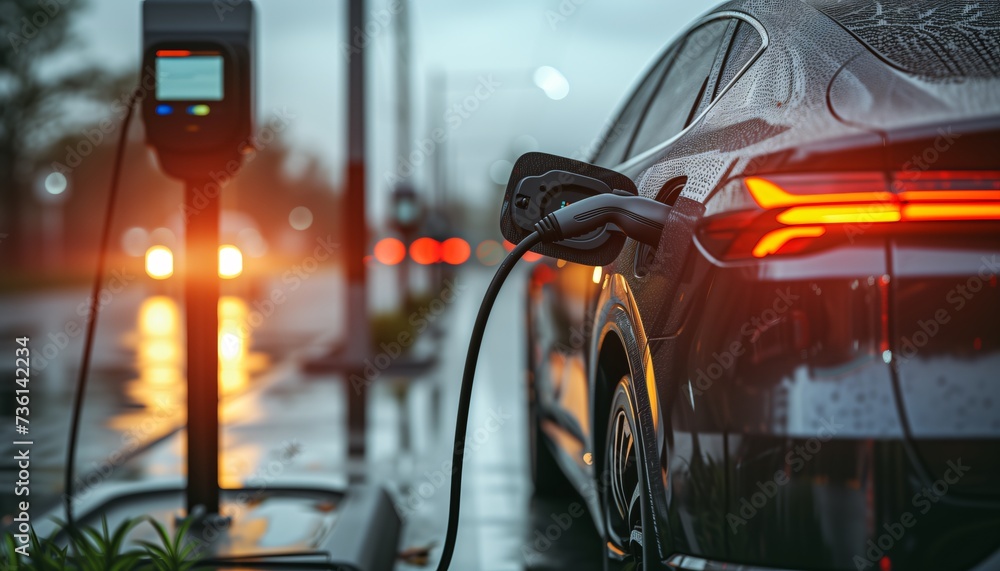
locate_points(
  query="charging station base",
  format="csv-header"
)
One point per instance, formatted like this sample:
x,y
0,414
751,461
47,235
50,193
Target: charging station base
x,y
283,528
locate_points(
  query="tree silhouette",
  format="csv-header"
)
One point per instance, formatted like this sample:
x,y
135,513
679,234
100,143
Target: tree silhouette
x,y
30,32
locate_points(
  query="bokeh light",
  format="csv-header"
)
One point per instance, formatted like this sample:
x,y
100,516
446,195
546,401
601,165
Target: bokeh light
x,y
425,251
552,82
455,251
230,262
56,183
159,262
300,218
489,252
135,241
164,236
390,251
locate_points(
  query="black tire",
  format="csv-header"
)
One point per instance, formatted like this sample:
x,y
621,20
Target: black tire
x,y
624,501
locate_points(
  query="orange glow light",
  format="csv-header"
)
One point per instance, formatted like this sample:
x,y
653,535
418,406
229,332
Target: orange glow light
x,y
230,262
528,256
159,262
950,195
776,239
455,251
425,251
840,214
390,251
769,195
173,53
951,211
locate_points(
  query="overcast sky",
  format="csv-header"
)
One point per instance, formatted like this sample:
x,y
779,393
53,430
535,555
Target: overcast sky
x,y
600,46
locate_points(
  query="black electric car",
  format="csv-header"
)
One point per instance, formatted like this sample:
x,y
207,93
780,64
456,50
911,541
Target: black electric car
x,y
804,373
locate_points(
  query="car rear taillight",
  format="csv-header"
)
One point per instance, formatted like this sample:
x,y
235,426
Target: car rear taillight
x,y
761,216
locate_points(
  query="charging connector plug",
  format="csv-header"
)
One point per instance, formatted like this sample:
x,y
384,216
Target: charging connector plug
x,y
638,217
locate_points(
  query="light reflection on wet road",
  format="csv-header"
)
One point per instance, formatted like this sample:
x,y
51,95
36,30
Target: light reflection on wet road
x,y
283,427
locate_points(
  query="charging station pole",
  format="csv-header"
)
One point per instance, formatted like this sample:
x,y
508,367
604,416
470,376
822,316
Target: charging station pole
x,y
201,295
357,334
198,63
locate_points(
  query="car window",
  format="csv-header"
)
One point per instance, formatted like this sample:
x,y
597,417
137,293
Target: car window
x,y
708,87
681,88
746,43
618,136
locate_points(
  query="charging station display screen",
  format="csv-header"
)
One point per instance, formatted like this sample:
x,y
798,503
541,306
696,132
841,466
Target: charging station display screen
x,y
182,75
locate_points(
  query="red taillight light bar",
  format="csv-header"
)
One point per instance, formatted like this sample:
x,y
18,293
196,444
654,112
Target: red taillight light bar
x,y
789,213
775,240
173,53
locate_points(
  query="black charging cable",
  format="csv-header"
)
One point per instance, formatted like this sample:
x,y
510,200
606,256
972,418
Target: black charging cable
x,y
88,340
465,397
637,217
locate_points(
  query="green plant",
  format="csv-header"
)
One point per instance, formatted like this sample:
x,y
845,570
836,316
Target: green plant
x,y
8,555
94,550
103,549
173,554
45,555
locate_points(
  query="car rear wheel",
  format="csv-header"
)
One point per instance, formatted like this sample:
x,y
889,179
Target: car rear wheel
x,y
623,496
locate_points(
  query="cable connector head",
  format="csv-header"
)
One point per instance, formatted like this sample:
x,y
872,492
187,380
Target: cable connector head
x,y
637,217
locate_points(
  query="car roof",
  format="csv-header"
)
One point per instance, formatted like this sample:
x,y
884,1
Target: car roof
x,y
929,38
817,69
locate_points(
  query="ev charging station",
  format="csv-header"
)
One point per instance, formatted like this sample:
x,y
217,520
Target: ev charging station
x,y
198,118
197,95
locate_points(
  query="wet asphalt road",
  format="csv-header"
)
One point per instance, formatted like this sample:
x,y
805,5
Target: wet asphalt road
x,y
135,406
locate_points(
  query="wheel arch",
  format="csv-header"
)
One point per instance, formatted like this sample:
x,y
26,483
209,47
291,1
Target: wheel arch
x,y
619,348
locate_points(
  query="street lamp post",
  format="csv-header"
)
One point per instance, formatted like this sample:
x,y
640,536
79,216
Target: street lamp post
x,y
358,340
